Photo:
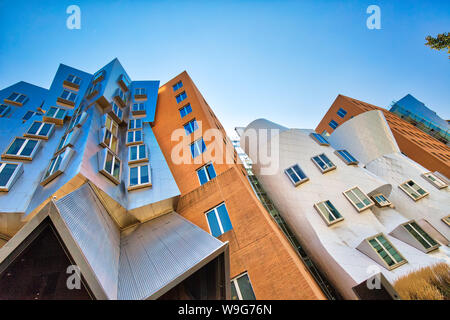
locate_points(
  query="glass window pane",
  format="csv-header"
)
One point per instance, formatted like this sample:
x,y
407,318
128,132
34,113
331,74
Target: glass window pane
x,y
6,173
116,172
246,288
15,146
202,176
213,224
144,175
134,176
224,218
109,162
299,172
34,128
211,171
234,295
142,151
45,129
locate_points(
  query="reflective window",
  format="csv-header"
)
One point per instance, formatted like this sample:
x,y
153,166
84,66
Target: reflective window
x,y
323,163
138,152
135,124
434,180
328,212
134,136
241,288
296,175
219,220
206,173
358,199
420,235
185,110
333,124
182,96
73,79
319,139
341,113
40,129
413,190
346,157
139,91
190,127
177,85
386,250
6,173
198,147
139,175
68,95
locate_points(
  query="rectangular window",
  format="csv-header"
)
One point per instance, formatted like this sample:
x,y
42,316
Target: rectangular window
x,y
190,127
446,220
182,96
111,166
296,175
198,147
139,177
124,81
413,190
4,110
323,163
40,130
9,173
93,90
67,140
134,137
55,115
17,99
98,76
22,149
111,125
206,173
333,124
386,251
28,115
139,91
110,141
219,220
421,236
57,165
381,200
319,139
328,212
68,95
346,157
74,79
434,180
177,85
117,111
241,288
185,110
137,153
341,113
138,107
77,120
134,124
358,199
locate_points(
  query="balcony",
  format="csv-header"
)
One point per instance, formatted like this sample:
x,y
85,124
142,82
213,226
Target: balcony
x,y
140,94
16,99
124,82
120,98
115,112
93,91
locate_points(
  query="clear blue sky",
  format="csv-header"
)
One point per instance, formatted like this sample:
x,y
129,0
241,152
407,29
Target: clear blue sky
x,y
281,60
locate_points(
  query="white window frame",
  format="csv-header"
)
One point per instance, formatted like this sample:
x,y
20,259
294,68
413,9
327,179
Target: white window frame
x,y
203,168
317,140
71,94
198,147
407,191
397,264
68,140
446,220
382,203
366,206
138,107
17,156
140,184
14,176
324,217
345,160
130,143
104,156
104,132
219,222
62,160
300,179
74,78
77,120
113,127
437,182
37,135
117,111
236,286
328,168
432,247
140,92
193,124
144,158
134,121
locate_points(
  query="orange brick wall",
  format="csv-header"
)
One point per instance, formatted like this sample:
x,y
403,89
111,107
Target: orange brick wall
x,y
416,144
257,245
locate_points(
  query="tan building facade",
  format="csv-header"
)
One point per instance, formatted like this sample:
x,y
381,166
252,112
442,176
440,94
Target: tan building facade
x,y
413,142
258,248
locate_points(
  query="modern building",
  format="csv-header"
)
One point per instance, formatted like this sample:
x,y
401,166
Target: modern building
x,y
415,112
412,141
90,191
359,207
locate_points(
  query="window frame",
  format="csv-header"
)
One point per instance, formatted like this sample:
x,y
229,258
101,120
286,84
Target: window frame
x,y
195,144
446,220
328,168
139,185
134,142
235,282
69,139
192,125
177,86
179,97
338,153
113,124
53,118
138,153
441,184
324,218
432,246
339,113
18,171
335,124
19,157
219,222
140,91
135,127
6,110
410,195
204,168
104,153
15,100
313,136
381,203
37,135
55,168
66,101
366,206
183,108
296,184
386,265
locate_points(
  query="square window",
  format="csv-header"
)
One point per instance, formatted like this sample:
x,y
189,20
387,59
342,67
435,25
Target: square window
x,y
319,139
296,175
137,153
177,85
413,190
381,200
333,124
206,173
182,96
139,91
323,163
185,110
328,212
358,199
198,147
134,137
341,113
139,177
9,173
134,124
190,127
218,220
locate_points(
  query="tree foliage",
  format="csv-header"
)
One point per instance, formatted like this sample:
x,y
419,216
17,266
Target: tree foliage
x,y
441,42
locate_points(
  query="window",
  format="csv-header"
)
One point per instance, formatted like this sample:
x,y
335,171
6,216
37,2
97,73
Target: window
x,y
358,199
137,153
67,140
219,220
9,173
386,251
124,81
185,110
17,99
138,107
413,190
77,120
40,130
328,212
181,97
421,236
341,113
111,125
122,98
325,133
198,147
28,115
22,149
323,163
333,124
134,137
446,220
110,166
109,140
134,124
381,200
139,91
117,111
177,85
74,79
57,166
139,177
56,113
93,90
346,157
434,180
296,175
206,173
241,288
319,139
4,110
190,127
68,95
98,76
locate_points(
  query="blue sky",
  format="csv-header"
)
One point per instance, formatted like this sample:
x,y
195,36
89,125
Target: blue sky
x,y
282,60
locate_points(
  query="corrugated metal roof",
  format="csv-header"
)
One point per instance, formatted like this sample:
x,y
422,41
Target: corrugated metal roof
x,y
158,252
